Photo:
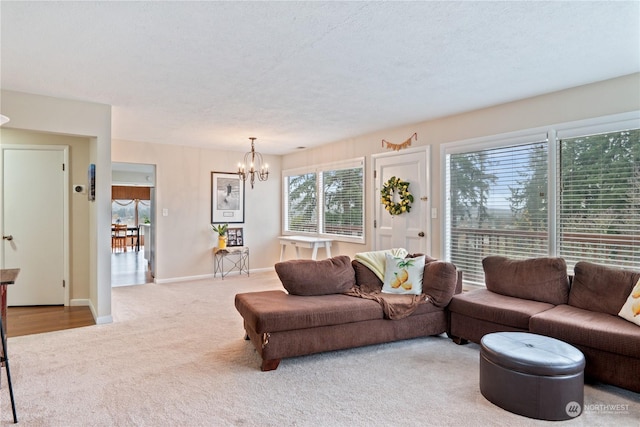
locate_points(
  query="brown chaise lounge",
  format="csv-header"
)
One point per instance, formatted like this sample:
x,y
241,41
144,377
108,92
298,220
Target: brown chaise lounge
x,y
321,317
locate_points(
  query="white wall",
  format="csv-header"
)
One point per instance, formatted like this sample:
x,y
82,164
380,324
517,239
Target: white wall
x,y
609,97
91,120
184,240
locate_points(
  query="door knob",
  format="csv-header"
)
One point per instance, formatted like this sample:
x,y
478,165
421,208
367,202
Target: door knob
x,y
9,237
421,234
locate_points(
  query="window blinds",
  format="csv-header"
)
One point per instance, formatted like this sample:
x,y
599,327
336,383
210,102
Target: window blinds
x,y
301,203
599,199
497,204
326,199
343,201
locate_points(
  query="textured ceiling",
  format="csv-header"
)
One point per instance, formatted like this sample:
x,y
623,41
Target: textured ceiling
x,y
305,73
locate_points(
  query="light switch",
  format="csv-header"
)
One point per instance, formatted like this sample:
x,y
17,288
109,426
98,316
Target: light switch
x,y
434,213
165,212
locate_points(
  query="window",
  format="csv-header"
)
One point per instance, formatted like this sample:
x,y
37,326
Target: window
x,y
130,205
124,212
302,207
497,205
568,192
599,205
326,200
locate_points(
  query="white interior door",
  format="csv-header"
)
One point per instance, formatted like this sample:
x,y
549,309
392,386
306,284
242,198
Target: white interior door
x,y
409,230
34,215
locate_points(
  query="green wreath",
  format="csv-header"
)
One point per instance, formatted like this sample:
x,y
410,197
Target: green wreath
x,y
388,191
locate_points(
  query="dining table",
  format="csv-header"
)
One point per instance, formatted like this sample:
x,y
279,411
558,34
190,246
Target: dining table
x,y
132,231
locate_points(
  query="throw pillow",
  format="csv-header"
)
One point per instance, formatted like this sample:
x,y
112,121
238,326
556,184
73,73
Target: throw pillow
x,y
403,275
631,308
308,277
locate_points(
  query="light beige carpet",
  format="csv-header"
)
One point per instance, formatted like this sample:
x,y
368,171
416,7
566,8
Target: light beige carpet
x,y
175,356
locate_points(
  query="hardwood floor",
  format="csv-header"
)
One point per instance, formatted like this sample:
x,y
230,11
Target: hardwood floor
x,y
127,268
48,318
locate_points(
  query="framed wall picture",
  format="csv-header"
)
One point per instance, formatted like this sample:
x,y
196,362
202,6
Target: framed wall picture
x,y
227,198
235,237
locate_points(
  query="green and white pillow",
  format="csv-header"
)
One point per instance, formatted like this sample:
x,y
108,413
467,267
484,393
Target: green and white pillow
x,y
403,275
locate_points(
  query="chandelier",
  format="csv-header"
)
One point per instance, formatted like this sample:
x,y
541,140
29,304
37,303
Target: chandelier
x,y
257,166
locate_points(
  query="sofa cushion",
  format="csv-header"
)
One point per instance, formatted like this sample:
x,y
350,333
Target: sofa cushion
x,y
308,277
537,279
486,305
365,278
631,309
439,282
403,275
601,288
273,311
588,328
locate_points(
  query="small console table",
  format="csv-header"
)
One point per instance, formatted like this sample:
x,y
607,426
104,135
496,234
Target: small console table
x,y
237,259
305,242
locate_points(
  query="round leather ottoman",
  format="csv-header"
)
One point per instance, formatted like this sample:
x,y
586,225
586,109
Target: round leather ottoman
x,y
532,375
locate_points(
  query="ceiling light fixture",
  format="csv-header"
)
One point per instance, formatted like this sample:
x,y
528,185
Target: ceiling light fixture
x,y
257,166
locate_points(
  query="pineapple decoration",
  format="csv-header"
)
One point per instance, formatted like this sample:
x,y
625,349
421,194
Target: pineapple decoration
x,y
402,276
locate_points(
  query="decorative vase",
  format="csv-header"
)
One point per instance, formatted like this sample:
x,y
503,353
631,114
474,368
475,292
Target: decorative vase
x,y
222,242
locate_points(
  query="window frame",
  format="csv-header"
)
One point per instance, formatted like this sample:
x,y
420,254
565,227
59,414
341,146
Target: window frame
x,y
552,134
358,162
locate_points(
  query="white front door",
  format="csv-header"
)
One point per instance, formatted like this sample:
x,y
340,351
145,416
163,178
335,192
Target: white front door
x,y
34,217
409,230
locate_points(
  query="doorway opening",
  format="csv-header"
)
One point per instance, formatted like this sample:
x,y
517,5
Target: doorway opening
x,y
132,223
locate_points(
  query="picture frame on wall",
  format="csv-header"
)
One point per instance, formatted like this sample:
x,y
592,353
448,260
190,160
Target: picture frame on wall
x,y
227,198
235,237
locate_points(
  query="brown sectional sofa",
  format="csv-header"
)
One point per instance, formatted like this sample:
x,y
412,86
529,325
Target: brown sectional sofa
x,y
538,296
316,315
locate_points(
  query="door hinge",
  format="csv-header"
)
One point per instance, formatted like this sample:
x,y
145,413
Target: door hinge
x,y
63,167
375,223
375,174
64,283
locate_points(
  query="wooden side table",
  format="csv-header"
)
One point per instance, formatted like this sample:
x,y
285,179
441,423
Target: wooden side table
x,y
237,259
7,277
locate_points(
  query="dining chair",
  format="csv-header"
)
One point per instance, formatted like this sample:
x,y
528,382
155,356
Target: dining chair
x,y
118,237
133,233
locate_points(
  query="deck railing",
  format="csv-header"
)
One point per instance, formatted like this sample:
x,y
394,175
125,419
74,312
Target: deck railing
x,y
470,245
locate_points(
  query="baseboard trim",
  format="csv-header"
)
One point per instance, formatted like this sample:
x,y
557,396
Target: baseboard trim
x,y
182,279
81,302
208,276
